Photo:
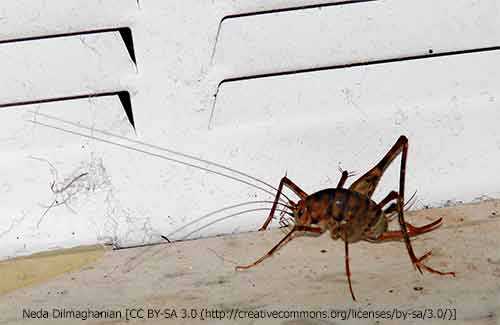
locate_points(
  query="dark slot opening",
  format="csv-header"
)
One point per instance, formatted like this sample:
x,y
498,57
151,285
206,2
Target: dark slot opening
x,y
125,33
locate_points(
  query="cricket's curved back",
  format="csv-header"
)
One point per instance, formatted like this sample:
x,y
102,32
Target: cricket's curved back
x,y
345,212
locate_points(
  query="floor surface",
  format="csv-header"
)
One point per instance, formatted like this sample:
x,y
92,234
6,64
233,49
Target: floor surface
x,y
194,280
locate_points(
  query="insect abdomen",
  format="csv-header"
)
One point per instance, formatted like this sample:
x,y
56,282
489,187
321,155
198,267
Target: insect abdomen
x,y
344,208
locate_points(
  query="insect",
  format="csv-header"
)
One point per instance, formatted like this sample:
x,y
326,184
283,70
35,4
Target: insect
x,y
351,214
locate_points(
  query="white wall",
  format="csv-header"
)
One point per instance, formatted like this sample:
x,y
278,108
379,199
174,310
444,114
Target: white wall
x,y
124,188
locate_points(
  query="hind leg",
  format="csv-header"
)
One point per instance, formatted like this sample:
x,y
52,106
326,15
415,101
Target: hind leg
x,y
412,231
417,262
367,183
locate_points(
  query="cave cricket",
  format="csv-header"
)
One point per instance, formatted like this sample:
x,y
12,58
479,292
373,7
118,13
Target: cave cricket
x,y
351,214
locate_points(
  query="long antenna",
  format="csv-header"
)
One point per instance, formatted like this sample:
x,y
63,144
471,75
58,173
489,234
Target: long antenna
x,y
158,148
154,155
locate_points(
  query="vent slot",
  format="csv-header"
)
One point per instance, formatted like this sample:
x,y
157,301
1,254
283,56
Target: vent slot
x,y
123,95
125,33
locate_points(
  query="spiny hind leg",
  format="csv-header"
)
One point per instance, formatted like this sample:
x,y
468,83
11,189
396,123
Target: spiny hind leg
x,y
285,181
411,229
412,232
393,208
428,268
417,262
367,183
393,195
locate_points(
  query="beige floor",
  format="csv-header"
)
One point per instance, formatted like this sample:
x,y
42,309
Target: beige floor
x,y
306,275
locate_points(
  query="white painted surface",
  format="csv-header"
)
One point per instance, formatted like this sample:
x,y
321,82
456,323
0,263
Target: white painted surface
x,y
447,106
29,18
354,33
305,124
63,66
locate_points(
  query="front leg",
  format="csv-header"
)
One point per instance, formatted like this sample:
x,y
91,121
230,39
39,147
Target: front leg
x,y
291,185
282,242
